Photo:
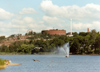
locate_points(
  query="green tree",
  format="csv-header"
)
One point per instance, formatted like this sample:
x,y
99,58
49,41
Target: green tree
x,y
3,48
75,48
83,33
26,48
11,48
93,37
97,45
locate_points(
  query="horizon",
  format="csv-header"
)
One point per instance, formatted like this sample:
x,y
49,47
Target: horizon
x,y
19,16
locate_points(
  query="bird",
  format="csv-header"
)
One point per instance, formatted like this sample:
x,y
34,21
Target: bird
x,y
35,60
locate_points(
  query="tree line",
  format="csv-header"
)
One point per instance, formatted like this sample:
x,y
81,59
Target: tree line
x,y
80,43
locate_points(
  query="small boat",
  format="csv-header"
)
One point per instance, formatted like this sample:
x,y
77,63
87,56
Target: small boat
x,y
66,56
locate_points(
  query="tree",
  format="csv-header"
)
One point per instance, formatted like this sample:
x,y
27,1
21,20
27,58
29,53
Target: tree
x,y
93,37
75,48
83,33
2,38
3,48
26,48
11,48
97,45
75,34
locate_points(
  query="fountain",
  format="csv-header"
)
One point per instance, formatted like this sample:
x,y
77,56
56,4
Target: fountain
x,y
64,49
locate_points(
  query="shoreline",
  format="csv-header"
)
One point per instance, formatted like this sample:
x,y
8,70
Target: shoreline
x,y
11,64
40,53
14,64
2,66
48,54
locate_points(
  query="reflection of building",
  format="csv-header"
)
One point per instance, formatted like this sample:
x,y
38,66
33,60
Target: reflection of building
x,y
54,32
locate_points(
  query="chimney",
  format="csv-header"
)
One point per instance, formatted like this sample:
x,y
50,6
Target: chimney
x,y
88,30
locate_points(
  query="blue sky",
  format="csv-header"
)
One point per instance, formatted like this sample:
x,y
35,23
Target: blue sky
x,y
16,5
18,16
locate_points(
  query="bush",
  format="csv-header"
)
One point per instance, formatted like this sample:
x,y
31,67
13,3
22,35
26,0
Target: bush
x,y
2,62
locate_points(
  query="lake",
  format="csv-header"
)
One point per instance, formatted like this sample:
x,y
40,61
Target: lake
x,y
53,63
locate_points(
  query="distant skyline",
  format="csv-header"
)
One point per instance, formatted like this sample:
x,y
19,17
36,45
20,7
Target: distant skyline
x,y
18,16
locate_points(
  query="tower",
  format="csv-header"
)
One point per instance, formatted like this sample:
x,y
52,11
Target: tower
x,y
88,30
71,27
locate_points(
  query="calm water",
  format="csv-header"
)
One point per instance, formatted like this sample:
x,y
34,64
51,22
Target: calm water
x,y
53,63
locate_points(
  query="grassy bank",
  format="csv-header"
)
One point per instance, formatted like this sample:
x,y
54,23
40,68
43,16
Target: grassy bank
x,y
46,53
12,53
39,53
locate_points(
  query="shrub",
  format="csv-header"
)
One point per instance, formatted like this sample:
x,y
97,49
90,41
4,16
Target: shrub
x,y
2,62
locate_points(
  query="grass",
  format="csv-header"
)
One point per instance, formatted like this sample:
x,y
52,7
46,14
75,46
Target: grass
x,y
46,53
14,53
10,53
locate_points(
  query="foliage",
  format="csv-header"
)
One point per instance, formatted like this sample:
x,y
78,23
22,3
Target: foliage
x,y
2,62
2,38
75,48
82,43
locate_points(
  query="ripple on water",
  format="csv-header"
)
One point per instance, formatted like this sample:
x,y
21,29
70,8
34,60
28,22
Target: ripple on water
x,y
53,63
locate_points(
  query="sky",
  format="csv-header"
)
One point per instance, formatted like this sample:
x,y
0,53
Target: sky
x,y
21,16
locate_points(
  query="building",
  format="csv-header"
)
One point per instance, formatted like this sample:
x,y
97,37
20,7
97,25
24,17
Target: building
x,y
55,32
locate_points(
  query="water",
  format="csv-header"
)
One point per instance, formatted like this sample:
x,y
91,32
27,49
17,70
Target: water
x,y
53,63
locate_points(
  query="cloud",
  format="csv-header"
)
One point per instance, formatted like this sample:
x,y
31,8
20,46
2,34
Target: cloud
x,y
5,29
84,17
51,16
52,20
28,11
28,20
4,25
79,26
83,26
22,22
26,23
4,15
87,12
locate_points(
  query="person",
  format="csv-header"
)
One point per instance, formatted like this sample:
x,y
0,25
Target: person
x,y
9,61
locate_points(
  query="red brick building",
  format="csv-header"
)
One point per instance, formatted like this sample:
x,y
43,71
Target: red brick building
x,y
55,32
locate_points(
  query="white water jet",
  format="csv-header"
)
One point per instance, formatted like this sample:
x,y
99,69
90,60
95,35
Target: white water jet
x,y
64,49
